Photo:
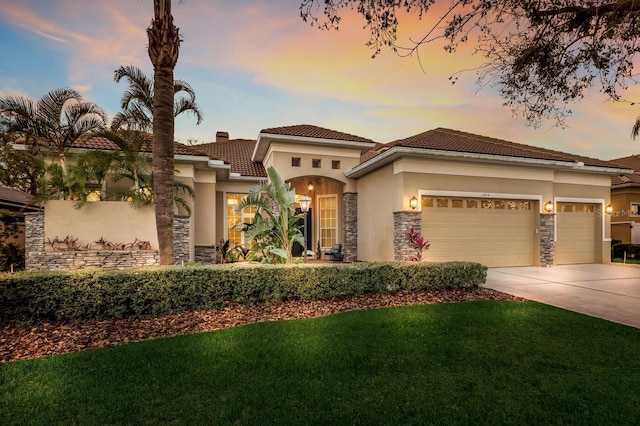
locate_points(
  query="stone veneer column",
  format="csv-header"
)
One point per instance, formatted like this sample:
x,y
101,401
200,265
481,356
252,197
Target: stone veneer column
x,y
180,239
33,236
205,254
547,243
350,220
403,222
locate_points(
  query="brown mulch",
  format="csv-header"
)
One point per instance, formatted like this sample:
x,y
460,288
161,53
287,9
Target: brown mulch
x,y
19,341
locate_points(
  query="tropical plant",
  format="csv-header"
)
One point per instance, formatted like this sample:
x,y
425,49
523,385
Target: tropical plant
x,y
19,169
137,100
419,243
275,225
164,46
57,120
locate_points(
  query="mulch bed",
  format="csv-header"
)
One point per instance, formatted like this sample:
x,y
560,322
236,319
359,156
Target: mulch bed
x,y
20,341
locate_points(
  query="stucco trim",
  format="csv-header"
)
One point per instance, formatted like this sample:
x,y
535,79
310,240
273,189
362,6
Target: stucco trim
x,y
265,139
394,153
601,214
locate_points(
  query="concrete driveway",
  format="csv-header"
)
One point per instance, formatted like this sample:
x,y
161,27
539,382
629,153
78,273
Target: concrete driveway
x,y
611,292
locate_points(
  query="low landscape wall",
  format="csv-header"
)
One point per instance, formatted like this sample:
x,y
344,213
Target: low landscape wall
x,y
41,229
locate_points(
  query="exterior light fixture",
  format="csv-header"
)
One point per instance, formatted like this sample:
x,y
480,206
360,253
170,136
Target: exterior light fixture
x,y
548,206
413,202
310,186
305,203
608,209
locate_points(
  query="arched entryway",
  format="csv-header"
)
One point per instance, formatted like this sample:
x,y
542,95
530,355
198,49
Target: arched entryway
x,y
324,224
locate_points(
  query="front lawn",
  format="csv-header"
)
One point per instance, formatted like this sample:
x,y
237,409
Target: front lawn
x,y
481,362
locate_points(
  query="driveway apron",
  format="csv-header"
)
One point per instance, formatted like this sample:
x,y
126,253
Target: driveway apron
x,y
611,292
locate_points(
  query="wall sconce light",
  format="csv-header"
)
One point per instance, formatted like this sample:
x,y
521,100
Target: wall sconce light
x,y
608,209
305,203
413,203
310,186
548,206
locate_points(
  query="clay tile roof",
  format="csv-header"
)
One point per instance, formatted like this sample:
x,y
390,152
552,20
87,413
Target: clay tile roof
x,y
309,131
456,141
14,196
236,152
102,143
631,162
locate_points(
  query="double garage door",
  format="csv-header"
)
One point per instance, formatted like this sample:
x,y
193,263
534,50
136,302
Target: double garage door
x,y
502,232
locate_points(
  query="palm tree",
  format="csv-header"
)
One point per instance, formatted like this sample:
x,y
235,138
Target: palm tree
x,y
274,226
164,46
137,100
56,120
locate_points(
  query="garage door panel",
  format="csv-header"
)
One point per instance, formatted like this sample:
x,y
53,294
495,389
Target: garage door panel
x,y
577,233
491,236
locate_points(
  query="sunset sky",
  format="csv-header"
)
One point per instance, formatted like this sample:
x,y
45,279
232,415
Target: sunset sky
x,y
256,64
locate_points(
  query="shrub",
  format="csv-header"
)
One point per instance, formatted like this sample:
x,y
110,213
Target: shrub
x,y
632,251
36,296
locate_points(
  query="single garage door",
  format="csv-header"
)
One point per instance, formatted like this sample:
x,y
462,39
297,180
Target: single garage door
x,y
493,232
577,233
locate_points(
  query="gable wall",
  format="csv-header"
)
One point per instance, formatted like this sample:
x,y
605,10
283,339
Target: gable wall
x,y
279,156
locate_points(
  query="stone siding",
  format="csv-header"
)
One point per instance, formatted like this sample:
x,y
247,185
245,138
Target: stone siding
x,y
403,222
39,259
205,254
350,209
181,249
547,243
70,260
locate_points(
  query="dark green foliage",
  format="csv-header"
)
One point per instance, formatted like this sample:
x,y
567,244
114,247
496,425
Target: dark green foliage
x,y
11,257
32,297
632,251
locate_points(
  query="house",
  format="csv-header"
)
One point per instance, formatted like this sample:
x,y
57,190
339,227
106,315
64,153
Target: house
x,y
16,202
625,202
475,198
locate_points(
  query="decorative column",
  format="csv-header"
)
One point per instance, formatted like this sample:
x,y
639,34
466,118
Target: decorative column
x,y
547,242
350,221
180,239
33,236
403,222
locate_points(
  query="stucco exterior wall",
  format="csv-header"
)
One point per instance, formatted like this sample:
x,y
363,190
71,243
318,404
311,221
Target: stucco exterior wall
x,y
115,221
388,190
379,196
279,156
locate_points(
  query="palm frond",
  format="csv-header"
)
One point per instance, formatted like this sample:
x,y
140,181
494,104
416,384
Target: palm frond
x,y
139,90
189,106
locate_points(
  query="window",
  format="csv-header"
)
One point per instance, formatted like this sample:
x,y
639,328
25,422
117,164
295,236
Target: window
x,y
295,161
235,219
427,202
457,204
315,163
634,209
335,164
442,202
328,216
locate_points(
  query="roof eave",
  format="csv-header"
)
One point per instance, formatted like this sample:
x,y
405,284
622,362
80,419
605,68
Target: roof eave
x,y
394,153
264,139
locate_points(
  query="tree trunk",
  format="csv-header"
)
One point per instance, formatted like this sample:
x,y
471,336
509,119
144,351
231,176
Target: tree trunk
x,y
164,43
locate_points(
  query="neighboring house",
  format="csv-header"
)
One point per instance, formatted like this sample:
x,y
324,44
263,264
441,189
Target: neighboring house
x,y
625,201
475,198
18,203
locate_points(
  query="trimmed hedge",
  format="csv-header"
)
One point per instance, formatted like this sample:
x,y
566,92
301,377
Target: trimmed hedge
x,y
77,295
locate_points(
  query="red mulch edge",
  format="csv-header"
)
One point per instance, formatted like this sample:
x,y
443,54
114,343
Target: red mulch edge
x,y
20,341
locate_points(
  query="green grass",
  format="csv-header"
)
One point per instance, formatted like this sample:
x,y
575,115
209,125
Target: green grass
x,y
628,261
481,362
